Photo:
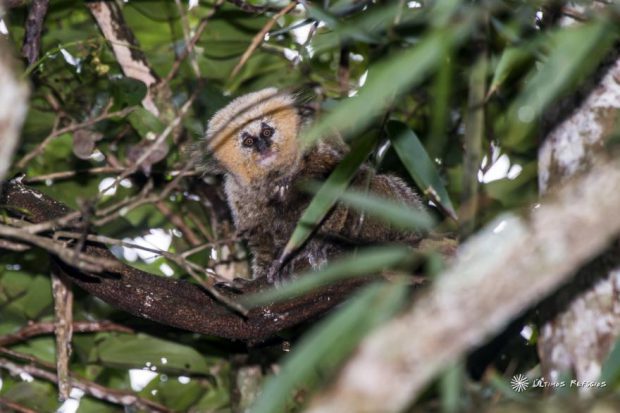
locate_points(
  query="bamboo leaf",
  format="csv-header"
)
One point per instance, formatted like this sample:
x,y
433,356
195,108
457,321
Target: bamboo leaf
x,y
324,201
419,165
386,81
364,262
575,52
472,144
387,210
324,348
510,61
611,368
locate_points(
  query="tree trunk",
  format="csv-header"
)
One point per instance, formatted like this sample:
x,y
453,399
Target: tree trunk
x,y
583,321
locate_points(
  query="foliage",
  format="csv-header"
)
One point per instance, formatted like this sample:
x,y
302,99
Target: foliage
x,y
393,77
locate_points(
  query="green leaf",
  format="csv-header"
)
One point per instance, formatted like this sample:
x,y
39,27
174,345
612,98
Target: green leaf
x,y
451,384
176,395
138,351
419,165
144,122
43,348
387,210
324,348
511,60
325,199
611,367
386,81
128,91
503,387
37,300
440,106
37,395
363,262
92,405
575,52
366,27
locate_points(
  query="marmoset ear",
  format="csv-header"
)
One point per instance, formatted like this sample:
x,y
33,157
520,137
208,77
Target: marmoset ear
x,y
210,166
305,104
306,113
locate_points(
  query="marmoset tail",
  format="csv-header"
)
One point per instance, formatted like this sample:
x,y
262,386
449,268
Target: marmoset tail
x,y
255,141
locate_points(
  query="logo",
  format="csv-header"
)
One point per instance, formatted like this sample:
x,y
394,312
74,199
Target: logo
x,y
519,383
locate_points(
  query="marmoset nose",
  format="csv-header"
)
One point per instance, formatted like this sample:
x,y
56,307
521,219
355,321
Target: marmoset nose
x,y
262,145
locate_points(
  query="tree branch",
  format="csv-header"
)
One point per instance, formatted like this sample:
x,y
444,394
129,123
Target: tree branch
x,y
126,49
63,331
13,107
34,27
37,329
16,407
499,273
260,37
579,339
91,388
173,302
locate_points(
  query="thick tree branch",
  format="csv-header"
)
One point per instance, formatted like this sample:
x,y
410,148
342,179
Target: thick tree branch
x,y
173,302
578,340
498,274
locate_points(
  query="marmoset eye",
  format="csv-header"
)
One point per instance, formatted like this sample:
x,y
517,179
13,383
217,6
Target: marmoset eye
x,y
248,141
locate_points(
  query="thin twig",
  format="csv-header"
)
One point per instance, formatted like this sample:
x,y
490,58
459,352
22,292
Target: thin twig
x,y
91,388
144,192
16,407
54,176
51,224
144,197
156,143
186,34
13,246
260,36
43,328
71,128
82,261
191,44
208,285
198,223
178,222
177,259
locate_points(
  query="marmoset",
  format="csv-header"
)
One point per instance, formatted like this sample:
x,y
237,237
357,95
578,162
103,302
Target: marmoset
x,y
255,142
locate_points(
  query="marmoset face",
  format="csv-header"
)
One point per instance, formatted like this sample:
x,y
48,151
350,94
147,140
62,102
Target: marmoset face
x,y
255,134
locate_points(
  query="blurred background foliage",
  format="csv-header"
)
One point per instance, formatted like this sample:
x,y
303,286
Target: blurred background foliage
x,y
450,95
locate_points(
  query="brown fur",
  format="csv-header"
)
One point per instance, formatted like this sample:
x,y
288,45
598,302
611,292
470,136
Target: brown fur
x,y
265,203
